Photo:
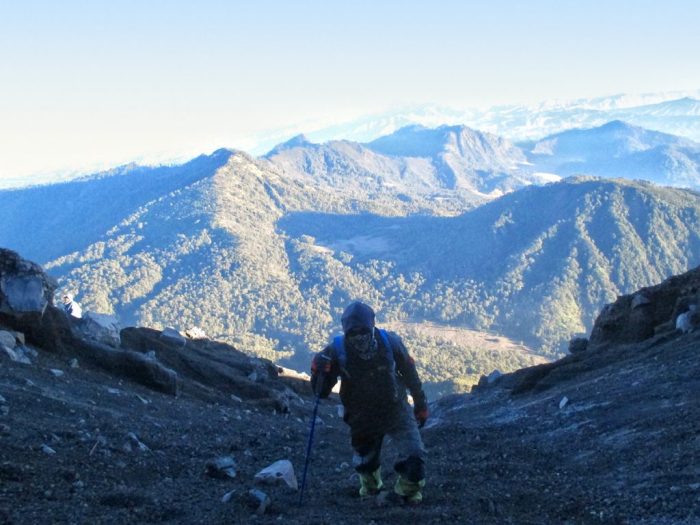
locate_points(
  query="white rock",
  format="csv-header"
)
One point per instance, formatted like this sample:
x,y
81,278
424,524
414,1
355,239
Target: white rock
x,y
683,321
47,450
340,410
73,363
114,391
143,399
279,471
563,402
173,336
2,399
7,339
222,467
236,398
56,372
227,497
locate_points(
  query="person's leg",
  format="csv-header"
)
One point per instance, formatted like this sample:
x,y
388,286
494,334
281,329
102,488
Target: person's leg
x,y
411,464
366,461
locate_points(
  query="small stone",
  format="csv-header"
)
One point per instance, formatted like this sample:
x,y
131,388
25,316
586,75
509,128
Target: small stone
x,y
563,402
56,372
29,382
258,500
340,410
253,376
73,363
114,391
135,441
47,450
236,398
78,484
639,300
227,497
143,399
222,467
2,399
172,336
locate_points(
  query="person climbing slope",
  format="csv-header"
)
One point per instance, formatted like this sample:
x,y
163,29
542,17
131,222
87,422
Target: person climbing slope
x,y
375,371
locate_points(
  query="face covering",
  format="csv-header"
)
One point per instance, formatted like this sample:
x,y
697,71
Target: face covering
x,y
362,345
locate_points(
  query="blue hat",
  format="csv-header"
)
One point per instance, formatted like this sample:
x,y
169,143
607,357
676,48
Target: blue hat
x,y
358,315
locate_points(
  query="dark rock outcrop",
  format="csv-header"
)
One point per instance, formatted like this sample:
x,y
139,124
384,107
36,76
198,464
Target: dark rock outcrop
x,y
650,311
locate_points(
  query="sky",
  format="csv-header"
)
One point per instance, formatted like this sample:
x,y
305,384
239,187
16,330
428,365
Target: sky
x,y
86,85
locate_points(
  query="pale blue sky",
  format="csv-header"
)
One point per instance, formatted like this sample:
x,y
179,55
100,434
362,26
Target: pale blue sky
x,y
91,83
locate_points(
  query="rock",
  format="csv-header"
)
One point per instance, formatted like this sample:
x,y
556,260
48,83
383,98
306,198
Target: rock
x,y
23,294
223,467
622,323
493,377
280,471
257,500
17,354
73,363
19,337
639,300
196,333
688,321
143,399
56,372
172,336
253,376
236,398
227,497
563,402
340,410
2,399
47,450
7,339
102,328
134,441
114,391
578,344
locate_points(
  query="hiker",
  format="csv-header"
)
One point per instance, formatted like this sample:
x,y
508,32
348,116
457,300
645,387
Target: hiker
x,y
375,370
72,307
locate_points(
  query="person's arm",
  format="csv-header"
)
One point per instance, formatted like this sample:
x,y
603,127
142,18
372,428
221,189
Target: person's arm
x,y
406,369
324,372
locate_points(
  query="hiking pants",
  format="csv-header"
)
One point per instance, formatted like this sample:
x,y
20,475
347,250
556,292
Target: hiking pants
x,y
404,435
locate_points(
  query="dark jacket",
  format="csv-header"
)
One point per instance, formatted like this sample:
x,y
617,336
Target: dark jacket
x,y
373,391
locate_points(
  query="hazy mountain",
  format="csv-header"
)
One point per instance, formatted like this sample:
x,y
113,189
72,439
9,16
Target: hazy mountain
x,y
452,160
618,149
673,112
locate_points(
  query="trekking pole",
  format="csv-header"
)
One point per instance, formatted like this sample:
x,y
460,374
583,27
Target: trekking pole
x,y
319,384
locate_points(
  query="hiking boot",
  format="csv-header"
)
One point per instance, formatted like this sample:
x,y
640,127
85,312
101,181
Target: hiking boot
x,y
410,491
371,484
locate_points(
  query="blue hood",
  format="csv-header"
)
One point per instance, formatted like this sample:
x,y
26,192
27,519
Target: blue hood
x,y
357,315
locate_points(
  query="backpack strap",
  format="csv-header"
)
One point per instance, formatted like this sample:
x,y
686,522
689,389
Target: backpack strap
x,y
339,347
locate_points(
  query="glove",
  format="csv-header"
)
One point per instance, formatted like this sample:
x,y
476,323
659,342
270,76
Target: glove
x,y
320,367
420,411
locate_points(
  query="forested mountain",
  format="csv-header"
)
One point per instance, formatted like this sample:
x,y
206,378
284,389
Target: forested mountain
x,y
265,253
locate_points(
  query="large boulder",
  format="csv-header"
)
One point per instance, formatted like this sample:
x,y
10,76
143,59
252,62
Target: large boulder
x,y
24,287
102,328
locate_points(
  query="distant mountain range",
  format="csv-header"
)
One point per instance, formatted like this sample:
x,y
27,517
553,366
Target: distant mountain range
x,y
265,252
676,113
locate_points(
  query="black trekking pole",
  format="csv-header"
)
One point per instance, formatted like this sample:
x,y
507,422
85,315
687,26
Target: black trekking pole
x,y
317,389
